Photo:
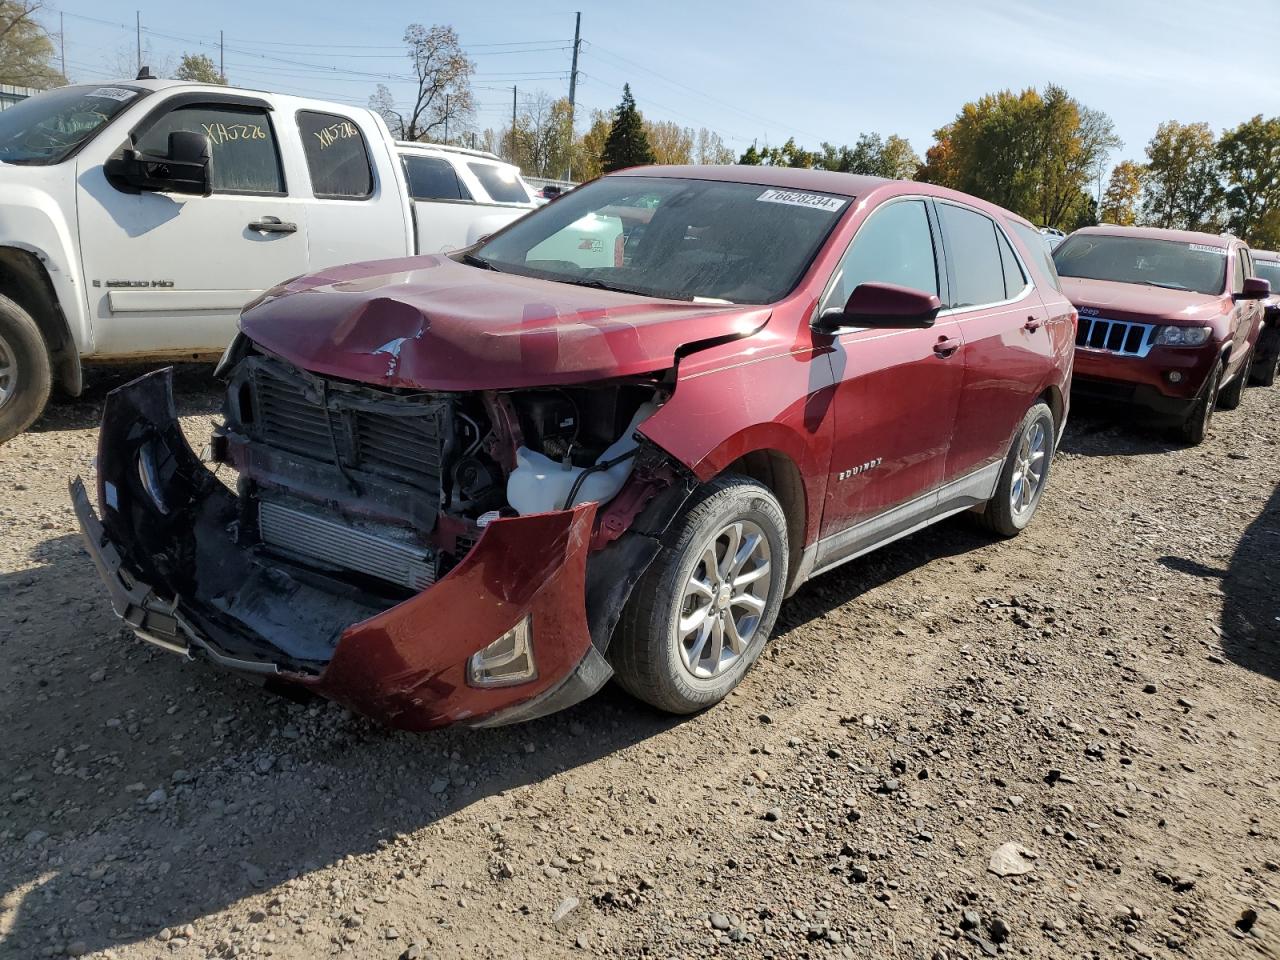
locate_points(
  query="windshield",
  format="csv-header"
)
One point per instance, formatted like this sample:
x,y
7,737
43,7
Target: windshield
x,y
1268,270
1197,267
46,128
671,238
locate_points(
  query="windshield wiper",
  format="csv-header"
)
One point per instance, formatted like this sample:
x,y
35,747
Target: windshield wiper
x,y
1165,286
481,262
599,285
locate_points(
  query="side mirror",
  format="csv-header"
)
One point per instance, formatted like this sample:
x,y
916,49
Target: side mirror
x,y
885,305
185,168
1255,288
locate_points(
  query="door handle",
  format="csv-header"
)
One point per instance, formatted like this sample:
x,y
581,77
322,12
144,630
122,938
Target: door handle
x,y
946,346
1033,324
273,225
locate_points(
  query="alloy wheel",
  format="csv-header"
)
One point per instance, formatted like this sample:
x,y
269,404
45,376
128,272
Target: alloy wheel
x,y
8,372
723,600
1029,470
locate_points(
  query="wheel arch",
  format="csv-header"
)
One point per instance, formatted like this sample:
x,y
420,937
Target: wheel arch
x,y
25,281
781,475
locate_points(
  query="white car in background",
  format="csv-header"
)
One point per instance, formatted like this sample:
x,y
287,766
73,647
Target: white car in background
x,y
460,195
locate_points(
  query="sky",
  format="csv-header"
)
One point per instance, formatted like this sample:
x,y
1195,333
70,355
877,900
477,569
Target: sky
x,y
814,70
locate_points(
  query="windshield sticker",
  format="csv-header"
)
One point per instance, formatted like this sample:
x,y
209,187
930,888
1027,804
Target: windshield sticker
x,y
795,198
1205,248
119,94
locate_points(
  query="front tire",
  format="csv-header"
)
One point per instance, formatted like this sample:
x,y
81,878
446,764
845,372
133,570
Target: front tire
x,y
1196,426
1025,473
25,372
699,617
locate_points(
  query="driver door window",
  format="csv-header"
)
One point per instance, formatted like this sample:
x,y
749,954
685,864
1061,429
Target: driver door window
x,y
242,146
895,245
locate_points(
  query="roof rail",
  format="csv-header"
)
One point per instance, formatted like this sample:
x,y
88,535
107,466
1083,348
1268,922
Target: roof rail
x,y
449,147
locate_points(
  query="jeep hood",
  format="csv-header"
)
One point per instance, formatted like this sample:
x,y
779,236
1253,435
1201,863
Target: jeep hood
x,y
432,323
1141,302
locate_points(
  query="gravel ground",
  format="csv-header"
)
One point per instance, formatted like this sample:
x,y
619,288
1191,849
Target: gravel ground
x,y
1091,710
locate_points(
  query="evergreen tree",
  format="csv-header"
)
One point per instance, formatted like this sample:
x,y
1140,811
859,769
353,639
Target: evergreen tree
x,y
627,145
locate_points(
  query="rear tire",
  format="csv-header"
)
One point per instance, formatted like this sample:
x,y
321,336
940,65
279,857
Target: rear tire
x,y
1024,476
26,375
1229,397
1263,370
1196,425
697,620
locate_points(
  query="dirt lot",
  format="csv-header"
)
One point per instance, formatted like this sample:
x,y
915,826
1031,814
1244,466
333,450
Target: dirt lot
x,y
1103,693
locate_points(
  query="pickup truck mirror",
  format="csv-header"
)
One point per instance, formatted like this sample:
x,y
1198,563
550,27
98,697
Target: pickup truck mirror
x,y
185,168
885,305
1255,288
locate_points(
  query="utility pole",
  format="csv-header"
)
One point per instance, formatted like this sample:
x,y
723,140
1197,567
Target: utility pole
x,y
137,20
222,58
513,124
573,72
446,118
62,42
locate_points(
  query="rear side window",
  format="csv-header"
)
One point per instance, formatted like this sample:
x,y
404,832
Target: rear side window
x,y
431,178
337,158
1014,281
1039,249
974,256
501,183
1237,281
895,245
242,145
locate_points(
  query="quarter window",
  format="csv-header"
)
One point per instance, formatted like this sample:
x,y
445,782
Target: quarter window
x,y
895,245
242,145
431,178
1039,249
337,158
1014,281
974,256
1242,269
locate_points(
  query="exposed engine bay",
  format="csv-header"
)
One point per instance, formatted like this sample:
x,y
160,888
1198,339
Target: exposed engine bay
x,y
373,494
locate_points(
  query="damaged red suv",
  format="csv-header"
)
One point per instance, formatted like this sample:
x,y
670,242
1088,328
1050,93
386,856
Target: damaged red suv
x,y
607,441
1168,319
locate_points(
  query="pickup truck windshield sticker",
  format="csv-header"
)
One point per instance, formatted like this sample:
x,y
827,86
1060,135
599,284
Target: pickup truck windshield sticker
x,y
1205,248
815,201
113,93
220,133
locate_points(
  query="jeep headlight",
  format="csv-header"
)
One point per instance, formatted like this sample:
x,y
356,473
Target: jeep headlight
x,y
1183,336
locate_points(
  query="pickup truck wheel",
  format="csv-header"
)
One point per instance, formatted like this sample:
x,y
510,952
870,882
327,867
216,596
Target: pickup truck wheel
x,y
1196,426
1263,370
1023,478
1230,396
702,612
25,373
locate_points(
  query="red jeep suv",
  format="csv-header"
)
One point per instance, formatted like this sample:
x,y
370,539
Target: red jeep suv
x,y
1168,319
606,441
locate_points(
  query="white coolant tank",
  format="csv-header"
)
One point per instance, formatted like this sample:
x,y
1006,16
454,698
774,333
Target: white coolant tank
x,y
539,484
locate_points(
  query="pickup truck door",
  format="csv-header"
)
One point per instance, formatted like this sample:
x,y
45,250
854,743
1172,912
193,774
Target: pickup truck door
x,y
358,205
897,391
169,273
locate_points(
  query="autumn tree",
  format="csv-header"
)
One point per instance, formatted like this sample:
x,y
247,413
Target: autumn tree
x,y
709,148
873,156
627,145
442,86
1122,203
590,147
751,157
200,68
1030,152
1249,161
26,52
670,142
1181,189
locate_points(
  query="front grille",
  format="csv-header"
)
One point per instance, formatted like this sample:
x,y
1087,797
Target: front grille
x,y
336,544
403,441
1120,337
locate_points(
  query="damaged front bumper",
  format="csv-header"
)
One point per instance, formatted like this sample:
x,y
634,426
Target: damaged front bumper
x,y
182,572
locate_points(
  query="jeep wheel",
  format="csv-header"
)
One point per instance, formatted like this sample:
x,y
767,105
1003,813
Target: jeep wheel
x,y
1229,397
1023,478
25,374
702,612
1264,368
1196,426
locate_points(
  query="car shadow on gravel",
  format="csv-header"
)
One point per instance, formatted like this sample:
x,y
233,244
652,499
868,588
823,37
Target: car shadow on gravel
x,y
1251,595
1095,430
195,392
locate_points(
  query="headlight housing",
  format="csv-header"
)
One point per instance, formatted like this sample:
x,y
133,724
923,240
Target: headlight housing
x,y
1183,336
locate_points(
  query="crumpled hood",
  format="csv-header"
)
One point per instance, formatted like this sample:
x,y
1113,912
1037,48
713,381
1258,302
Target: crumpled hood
x,y
432,323
1140,302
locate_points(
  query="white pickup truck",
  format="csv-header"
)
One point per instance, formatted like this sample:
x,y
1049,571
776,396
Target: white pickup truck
x,y
137,218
